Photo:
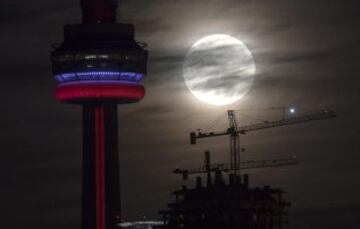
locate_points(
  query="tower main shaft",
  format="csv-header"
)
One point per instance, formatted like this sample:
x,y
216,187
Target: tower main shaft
x,y
99,65
101,195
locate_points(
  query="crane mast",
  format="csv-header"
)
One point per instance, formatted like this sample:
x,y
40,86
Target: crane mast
x,y
234,143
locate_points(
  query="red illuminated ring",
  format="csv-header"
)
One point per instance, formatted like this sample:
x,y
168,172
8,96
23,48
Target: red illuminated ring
x,y
120,91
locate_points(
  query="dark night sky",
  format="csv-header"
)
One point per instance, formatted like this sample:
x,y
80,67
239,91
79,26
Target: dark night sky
x,y
306,53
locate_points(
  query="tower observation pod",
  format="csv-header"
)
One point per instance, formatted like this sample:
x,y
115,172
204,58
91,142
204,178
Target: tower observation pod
x,y
98,66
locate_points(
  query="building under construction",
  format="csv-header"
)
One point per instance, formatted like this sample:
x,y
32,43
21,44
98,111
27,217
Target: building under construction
x,y
225,204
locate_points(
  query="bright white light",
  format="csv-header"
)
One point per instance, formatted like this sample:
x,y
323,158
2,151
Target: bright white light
x,y
219,69
90,57
104,56
140,224
292,110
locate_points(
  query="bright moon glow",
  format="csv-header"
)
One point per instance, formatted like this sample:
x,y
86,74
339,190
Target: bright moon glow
x,y
219,69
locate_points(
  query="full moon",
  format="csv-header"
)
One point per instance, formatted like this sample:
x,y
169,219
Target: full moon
x,y
219,69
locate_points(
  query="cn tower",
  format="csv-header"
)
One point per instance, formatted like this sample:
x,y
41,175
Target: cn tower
x,y
98,66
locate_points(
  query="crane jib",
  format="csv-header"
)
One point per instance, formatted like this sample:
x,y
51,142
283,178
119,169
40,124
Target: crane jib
x,y
265,125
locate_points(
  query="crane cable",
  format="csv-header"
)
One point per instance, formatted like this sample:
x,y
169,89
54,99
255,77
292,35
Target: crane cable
x,y
251,117
214,122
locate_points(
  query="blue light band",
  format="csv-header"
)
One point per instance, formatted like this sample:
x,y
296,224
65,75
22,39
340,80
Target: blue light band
x,y
99,76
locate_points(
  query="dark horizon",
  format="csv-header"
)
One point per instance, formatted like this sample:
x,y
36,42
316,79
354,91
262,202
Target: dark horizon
x,y
306,54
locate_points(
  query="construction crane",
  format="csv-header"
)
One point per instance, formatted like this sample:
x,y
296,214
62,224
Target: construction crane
x,y
208,167
234,131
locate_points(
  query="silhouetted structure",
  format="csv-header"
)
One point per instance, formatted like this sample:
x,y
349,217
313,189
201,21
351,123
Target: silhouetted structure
x,y
226,205
232,204
99,65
